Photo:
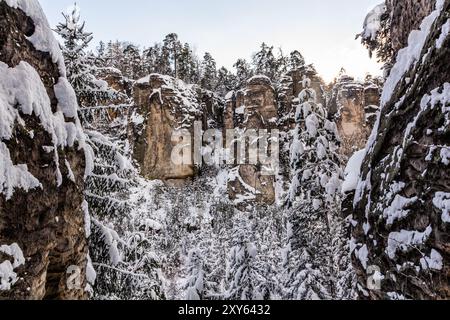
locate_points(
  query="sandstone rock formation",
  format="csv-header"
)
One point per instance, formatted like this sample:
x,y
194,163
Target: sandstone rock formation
x,y
164,105
406,15
290,88
43,246
252,108
354,105
402,202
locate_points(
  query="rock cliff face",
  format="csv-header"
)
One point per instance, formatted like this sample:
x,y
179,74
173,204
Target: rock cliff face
x,y
290,88
406,15
43,247
354,105
253,108
164,105
402,202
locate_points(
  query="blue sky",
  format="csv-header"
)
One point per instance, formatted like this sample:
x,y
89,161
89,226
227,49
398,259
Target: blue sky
x,y
323,30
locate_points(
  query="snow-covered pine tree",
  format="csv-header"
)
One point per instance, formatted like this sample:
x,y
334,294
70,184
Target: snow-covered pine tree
x,y
267,230
132,63
282,65
80,65
376,34
243,73
195,282
343,275
203,282
150,57
170,52
296,60
125,264
265,63
243,279
313,199
209,72
225,82
188,65
124,257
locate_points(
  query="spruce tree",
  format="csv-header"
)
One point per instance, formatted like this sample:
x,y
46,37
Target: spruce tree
x,y
314,199
296,60
188,65
243,73
170,54
265,63
243,276
209,72
81,65
225,82
195,283
132,62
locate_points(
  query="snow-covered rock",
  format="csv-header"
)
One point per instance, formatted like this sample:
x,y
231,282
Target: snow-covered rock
x,y
352,171
43,161
401,202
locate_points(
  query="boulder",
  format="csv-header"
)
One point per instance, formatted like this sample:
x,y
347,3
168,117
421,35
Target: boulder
x,y
43,246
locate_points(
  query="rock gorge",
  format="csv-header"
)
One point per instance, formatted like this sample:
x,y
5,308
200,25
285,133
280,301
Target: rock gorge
x,y
397,212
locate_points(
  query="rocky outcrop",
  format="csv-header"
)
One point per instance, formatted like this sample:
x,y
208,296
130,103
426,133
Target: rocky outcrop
x,y
290,87
406,15
117,81
43,246
401,216
253,108
163,106
354,105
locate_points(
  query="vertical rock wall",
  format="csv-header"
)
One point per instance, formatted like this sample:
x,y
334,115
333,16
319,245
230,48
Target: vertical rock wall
x,y
42,163
401,208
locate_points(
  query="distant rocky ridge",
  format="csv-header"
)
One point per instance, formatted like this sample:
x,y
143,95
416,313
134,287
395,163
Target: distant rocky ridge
x,y
163,105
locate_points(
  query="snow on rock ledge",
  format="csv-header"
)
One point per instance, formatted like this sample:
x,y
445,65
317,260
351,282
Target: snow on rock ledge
x,y
352,171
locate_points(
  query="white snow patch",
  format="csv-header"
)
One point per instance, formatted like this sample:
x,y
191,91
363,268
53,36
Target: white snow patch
x,y
70,174
442,202
434,261
397,211
363,256
409,56
444,33
8,276
352,171
87,219
405,241
229,95
14,176
240,110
